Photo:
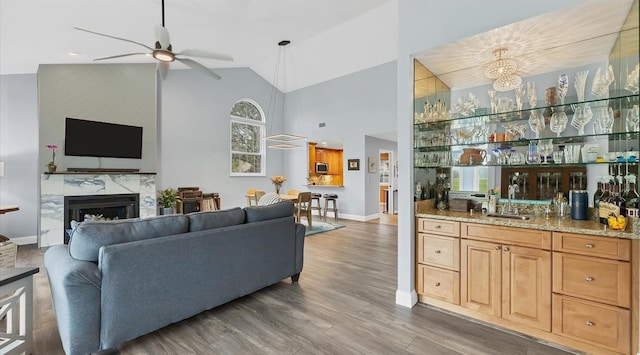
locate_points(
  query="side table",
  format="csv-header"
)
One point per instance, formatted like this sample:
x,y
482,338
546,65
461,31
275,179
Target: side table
x,y
16,304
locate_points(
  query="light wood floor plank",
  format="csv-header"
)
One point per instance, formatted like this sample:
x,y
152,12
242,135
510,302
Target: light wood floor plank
x,y
343,304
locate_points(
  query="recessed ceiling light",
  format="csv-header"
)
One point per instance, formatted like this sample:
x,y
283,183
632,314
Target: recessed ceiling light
x,y
324,143
73,53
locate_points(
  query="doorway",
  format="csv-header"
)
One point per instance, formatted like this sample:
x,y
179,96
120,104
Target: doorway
x,y
387,177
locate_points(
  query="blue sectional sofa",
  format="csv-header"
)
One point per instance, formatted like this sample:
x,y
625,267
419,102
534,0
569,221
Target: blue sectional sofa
x,y
118,280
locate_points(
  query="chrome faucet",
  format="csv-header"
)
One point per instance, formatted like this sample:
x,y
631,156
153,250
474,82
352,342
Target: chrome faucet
x,y
512,189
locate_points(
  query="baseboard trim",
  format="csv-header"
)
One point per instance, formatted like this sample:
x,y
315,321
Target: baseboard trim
x,y
33,239
406,299
358,218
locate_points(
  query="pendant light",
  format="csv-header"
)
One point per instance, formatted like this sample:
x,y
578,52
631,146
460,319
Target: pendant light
x,y
283,140
503,70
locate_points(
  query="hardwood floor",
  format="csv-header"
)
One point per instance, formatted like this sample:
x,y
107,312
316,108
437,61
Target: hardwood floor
x,y
343,304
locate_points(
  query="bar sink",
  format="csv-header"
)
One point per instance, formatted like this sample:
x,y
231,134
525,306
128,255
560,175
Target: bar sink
x,y
509,216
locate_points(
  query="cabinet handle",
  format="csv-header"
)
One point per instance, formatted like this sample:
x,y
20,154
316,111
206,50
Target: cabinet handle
x,y
588,279
497,247
438,226
437,284
589,323
589,246
437,251
506,249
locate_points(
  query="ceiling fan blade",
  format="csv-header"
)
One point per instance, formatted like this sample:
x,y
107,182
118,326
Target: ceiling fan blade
x,y
118,38
120,56
162,36
204,54
197,66
163,68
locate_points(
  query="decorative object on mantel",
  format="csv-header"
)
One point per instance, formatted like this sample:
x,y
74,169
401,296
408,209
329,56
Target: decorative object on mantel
x,y
52,164
277,182
353,164
167,200
284,140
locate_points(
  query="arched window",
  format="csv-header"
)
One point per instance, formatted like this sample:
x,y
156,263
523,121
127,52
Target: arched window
x,y
247,145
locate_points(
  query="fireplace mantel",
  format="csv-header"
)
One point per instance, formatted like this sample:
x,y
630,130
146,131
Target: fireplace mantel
x,y
54,187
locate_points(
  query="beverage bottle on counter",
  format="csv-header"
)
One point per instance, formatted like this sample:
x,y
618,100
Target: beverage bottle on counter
x,y
599,191
631,196
617,200
603,207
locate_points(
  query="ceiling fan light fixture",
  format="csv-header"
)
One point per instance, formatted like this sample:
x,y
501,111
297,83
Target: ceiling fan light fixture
x,y
500,67
507,82
163,55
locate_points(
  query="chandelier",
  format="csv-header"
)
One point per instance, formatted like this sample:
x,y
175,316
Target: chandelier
x,y
503,71
283,140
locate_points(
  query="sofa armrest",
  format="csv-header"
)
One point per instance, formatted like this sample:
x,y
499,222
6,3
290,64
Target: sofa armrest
x,y
300,231
75,289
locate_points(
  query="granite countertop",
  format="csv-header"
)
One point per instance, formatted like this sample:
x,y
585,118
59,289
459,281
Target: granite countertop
x,y
536,222
319,185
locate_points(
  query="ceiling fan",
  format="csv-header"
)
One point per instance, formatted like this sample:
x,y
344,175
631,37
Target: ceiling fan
x,y
163,52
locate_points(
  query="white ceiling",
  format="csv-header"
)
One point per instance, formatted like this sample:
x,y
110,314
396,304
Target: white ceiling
x,y
327,36
562,39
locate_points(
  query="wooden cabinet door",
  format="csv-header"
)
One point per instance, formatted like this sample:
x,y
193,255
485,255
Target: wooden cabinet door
x,y
480,268
526,286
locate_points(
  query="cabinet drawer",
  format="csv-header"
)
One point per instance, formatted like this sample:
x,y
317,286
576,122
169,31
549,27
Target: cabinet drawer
x,y
604,247
439,283
596,279
592,323
439,251
438,226
507,235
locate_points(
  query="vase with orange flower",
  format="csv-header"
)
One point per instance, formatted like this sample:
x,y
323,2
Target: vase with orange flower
x,y
277,182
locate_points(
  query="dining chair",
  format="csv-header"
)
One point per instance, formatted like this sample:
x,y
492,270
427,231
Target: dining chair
x,y
251,197
257,195
303,207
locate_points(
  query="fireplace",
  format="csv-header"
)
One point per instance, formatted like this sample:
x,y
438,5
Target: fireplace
x,y
107,207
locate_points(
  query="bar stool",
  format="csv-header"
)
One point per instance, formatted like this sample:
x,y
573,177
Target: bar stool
x,y
333,198
316,197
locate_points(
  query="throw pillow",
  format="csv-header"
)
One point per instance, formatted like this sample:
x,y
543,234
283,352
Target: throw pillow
x,y
276,210
269,199
215,219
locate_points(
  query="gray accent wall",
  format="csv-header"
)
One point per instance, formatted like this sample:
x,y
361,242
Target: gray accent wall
x,y
113,93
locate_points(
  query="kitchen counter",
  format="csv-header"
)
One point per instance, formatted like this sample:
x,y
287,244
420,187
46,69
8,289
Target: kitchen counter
x,y
536,222
317,185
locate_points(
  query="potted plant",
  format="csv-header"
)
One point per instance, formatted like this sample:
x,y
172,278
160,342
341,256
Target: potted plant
x,y
51,166
167,200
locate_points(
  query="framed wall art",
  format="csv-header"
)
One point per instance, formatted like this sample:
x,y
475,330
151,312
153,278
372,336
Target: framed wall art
x,y
353,164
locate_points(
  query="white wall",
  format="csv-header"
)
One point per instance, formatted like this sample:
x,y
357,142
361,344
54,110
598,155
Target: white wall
x,y
194,132
353,106
19,151
423,25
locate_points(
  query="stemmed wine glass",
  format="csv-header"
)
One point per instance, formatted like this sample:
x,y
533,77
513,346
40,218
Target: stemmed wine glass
x,y
545,147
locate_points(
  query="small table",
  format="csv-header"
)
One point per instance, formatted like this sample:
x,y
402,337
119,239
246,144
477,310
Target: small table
x,y
16,302
292,198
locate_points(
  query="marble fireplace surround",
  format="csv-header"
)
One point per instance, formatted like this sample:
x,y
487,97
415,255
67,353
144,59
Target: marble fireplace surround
x,y
54,188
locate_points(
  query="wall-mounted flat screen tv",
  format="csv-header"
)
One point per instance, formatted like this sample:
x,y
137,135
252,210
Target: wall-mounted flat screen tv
x,y
86,138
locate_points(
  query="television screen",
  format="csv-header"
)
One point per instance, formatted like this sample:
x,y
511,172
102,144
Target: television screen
x,y
86,138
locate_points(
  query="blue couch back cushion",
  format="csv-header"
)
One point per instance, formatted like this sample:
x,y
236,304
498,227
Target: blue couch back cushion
x,y
262,213
199,221
88,237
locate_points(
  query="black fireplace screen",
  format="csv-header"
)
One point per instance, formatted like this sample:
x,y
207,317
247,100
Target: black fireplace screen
x,y
100,207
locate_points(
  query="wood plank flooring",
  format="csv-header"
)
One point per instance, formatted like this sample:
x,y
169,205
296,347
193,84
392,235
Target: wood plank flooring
x,y
343,304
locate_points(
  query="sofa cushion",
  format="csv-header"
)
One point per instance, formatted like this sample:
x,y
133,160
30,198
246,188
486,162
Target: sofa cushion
x,y
88,237
262,213
215,219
